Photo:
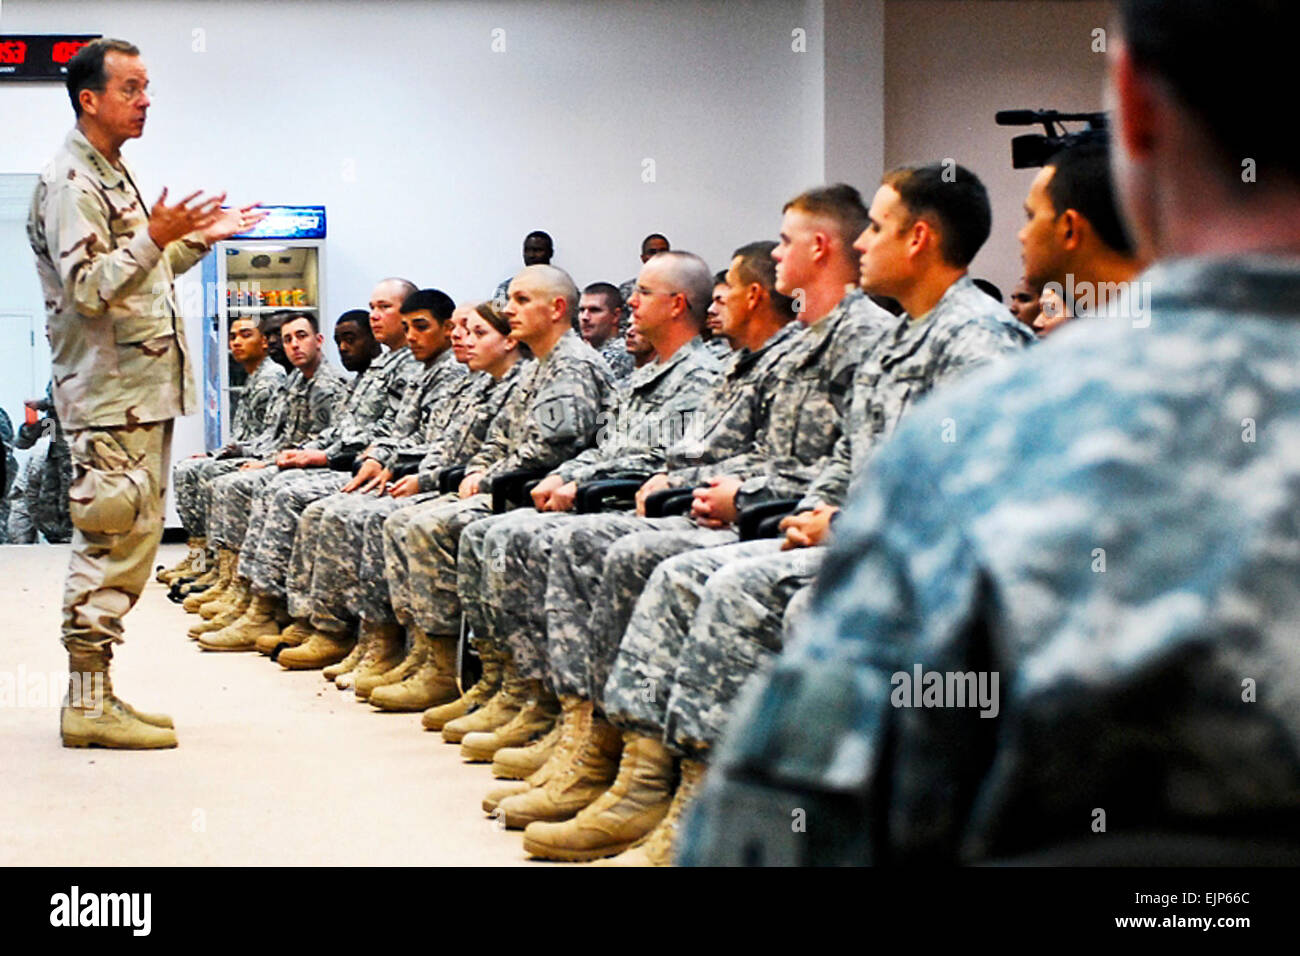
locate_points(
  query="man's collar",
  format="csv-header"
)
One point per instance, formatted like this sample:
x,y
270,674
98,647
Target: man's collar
x,y
108,174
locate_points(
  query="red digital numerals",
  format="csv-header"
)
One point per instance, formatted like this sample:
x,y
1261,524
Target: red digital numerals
x,y
66,50
13,52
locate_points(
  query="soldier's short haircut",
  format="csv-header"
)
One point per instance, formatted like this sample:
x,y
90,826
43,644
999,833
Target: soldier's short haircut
x,y
650,238
86,69
488,312
434,301
405,286
309,316
1251,40
360,317
607,290
556,282
692,277
839,202
1081,181
954,198
540,234
757,265
720,277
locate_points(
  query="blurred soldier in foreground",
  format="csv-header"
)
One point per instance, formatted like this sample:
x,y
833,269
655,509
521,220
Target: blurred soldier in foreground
x,y
1112,533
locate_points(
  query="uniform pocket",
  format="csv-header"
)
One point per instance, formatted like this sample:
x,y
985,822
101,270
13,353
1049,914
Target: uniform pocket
x,y
106,494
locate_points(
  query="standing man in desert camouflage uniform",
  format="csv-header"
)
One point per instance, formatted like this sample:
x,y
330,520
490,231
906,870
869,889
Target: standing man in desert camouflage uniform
x,y
121,368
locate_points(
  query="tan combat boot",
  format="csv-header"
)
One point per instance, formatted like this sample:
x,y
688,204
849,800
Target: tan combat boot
x,y
592,767
624,813
572,728
94,717
497,712
520,763
413,654
297,631
220,589
535,718
185,565
227,617
213,584
319,650
349,662
432,682
260,619
385,649
657,847
435,718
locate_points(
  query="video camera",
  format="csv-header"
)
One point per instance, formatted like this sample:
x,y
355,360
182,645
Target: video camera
x,y
1035,149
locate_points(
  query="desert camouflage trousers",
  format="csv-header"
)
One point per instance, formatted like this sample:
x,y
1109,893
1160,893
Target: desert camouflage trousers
x,y
119,478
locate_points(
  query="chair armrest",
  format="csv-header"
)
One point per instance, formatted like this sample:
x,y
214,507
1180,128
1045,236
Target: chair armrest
x,y
763,519
449,479
601,495
669,501
512,487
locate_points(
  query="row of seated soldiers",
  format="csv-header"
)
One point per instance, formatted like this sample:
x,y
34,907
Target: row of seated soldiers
x,y
620,558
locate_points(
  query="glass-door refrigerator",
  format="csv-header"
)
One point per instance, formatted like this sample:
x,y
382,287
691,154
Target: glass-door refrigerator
x,y
278,266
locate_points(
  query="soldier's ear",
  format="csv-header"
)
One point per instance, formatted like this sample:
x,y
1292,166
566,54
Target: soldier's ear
x,y
89,100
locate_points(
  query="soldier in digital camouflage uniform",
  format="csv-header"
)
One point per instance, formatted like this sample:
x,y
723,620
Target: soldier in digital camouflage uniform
x,y
121,368
600,316
10,465
654,410
357,346
268,506
678,667
1111,533
651,246
427,317
256,410
337,566
553,415
40,496
311,403
801,404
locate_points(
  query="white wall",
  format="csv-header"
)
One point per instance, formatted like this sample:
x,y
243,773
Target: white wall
x,y
434,154
951,64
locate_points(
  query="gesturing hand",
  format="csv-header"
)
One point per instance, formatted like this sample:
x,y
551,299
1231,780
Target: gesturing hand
x,y
231,222
169,223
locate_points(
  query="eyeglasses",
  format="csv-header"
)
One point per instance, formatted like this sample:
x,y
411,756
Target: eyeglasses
x,y
131,92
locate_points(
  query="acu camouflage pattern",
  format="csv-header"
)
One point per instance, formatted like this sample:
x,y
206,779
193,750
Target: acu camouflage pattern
x,y
659,406
551,416
116,337
258,401
267,554
309,406
703,623
620,360
339,592
504,596
258,406
431,390
371,406
965,330
553,413
336,570
1168,451
775,420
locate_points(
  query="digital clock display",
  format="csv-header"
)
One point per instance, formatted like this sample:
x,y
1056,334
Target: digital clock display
x,y
39,57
